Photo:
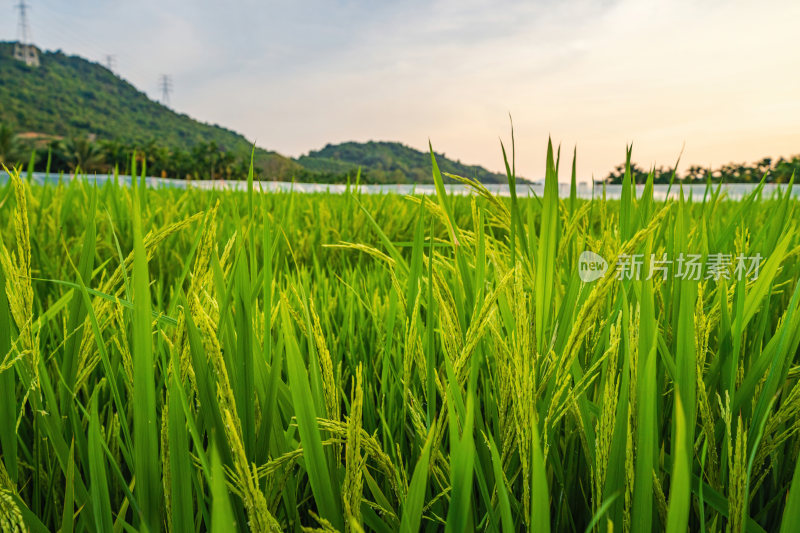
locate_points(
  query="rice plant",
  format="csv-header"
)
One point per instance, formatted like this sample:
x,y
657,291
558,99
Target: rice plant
x,y
186,360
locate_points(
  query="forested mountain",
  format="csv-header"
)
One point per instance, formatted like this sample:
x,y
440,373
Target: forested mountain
x,y
390,162
70,97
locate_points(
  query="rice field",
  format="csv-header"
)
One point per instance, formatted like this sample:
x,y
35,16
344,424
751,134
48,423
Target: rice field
x,y
185,360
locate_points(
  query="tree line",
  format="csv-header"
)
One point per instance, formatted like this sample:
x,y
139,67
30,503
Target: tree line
x,y
203,161
209,161
776,170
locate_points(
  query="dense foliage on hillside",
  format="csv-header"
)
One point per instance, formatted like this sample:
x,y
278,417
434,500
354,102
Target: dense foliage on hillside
x,y
82,97
389,162
72,98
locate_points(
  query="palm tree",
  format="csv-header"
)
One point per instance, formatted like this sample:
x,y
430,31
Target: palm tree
x,y
117,154
81,153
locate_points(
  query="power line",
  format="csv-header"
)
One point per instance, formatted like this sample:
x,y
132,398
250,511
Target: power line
x,y
166,88
111,62
24,50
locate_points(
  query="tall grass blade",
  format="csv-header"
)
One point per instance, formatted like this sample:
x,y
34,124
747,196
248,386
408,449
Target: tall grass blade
x,y
145,423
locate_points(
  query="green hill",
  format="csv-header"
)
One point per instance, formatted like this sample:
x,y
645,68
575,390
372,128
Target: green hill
x,y
78,100
389,162
69,96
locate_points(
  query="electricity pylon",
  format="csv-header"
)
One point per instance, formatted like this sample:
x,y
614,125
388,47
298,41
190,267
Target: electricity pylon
x,y
23,49
166,88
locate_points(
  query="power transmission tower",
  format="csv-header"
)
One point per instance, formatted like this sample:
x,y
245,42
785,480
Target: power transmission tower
x,y
23,49
166,88
111,62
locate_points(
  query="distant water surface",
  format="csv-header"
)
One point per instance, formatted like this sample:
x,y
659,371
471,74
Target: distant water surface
x,y
584,190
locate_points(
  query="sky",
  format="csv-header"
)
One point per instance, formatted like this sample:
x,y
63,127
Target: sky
x,y
720,79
